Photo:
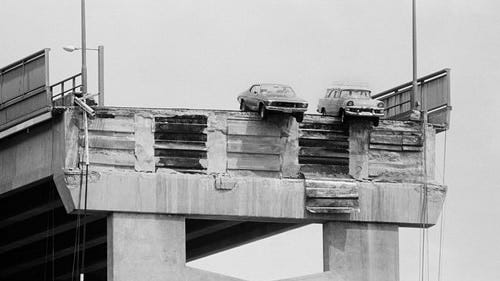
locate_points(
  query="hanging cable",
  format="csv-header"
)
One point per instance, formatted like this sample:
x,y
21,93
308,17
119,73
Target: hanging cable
x,y
76,252
79,251
441,226
84,238
46,254
82,266
53,237
424,219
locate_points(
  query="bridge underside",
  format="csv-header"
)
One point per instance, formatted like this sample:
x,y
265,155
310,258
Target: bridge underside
x,y
38,236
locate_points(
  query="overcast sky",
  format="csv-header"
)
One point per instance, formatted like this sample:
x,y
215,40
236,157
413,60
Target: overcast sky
x,y
201,54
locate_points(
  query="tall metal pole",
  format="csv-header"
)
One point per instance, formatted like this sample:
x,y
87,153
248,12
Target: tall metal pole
x,y
100,69
84,92
84,50
414,41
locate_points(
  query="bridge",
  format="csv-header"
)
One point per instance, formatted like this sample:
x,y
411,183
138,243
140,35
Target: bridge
x,y
167,186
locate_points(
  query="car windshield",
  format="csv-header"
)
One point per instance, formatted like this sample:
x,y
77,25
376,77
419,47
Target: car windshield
x,y
277,90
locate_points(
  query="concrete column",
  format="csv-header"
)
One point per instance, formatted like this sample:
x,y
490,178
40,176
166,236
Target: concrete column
x,y
361,251
145,247
359,140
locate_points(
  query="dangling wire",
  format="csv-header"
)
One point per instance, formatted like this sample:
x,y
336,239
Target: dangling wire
x,y
52,197
84,240
82,266
79,264
424,214
46,254
76,256
441,226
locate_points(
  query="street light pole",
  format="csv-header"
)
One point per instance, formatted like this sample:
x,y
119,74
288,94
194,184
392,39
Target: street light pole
x,y
414,41
100,84
84,50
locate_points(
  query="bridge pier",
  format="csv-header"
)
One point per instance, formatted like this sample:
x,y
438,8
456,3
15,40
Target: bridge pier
x,y
151,247
145,247
361,251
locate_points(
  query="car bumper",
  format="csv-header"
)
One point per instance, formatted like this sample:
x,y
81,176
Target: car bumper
x,y
286,109
353,111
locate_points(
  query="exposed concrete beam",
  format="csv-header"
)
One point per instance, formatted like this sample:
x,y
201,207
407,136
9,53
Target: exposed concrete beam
x,y
194,274
216,226
232,237
30,213
324,276
42,235
98,265
48,258
248,198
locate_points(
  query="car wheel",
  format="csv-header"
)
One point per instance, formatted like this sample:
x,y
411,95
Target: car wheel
x,y
299,117
243,107
323,111
262,112
375,122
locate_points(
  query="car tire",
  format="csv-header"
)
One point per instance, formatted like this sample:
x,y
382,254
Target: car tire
x,y
375,122
323,111
299,117
262,112
243,107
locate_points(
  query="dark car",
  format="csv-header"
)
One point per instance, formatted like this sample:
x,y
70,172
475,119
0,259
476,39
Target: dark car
x,y
272,97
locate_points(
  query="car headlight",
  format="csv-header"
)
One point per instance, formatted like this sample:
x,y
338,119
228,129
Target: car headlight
x,y
380,105
266,102
303,105
350,103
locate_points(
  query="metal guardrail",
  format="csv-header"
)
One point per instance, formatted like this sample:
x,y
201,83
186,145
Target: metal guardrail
x,y
24,90
63,91
436,89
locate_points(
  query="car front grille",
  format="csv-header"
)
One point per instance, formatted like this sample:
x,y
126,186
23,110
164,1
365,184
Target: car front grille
x,y
365,109
286,104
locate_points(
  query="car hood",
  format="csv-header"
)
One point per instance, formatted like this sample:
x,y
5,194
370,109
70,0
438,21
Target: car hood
x,y
284,99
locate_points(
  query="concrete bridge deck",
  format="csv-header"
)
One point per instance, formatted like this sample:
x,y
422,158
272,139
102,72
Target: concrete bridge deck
x,y
226,177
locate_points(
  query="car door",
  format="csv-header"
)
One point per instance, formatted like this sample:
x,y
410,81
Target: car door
x,y
331,102
253,97
342,95
323,102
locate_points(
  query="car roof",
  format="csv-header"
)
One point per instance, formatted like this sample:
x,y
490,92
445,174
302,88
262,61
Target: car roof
x,y
361,88
271,84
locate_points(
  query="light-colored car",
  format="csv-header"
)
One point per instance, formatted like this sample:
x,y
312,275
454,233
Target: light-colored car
x,y
272,97
348,101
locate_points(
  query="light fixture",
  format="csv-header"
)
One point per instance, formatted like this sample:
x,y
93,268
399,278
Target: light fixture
x,y
100,69
70,48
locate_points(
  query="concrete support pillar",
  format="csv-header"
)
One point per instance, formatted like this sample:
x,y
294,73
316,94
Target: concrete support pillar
x,y
361,251
145,247
359,140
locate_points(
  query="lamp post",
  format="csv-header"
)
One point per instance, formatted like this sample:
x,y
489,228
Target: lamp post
x,y
100,71
414,52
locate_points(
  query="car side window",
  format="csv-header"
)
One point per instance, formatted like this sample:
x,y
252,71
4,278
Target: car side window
x,y
345,93
337,94
255,89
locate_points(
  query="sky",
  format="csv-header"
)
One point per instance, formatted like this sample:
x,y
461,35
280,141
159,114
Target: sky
x,y
202,53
